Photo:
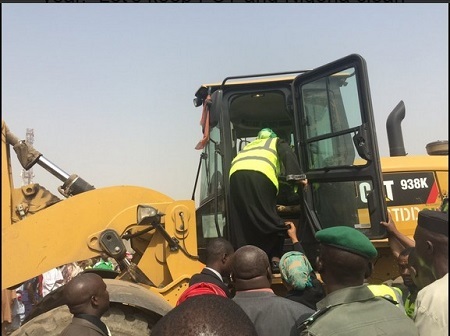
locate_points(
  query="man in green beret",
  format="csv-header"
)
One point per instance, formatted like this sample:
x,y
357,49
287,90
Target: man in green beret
x,y
350,308
431,237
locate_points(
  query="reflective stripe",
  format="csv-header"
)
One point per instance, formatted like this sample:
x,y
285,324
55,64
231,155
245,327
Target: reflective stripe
x,y
388,292
265,146
259,158
259,155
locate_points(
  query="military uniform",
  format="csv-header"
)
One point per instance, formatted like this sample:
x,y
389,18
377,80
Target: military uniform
x,y
356,311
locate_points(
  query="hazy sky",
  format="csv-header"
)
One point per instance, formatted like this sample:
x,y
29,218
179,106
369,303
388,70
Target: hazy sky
x,y
108,88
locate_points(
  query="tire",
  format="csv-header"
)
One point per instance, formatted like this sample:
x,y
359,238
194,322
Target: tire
x,y
121,320
125,320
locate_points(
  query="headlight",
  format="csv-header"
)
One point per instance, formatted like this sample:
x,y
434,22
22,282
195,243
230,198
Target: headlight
x,y
146,214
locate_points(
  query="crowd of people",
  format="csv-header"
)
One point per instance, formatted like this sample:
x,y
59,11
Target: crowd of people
x,y
18,303
233,294
341,302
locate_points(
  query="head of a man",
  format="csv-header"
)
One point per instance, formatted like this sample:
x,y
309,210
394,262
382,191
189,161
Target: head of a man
x,y
219,255
431,237
206,315
87,294
345,257
403,267
420,275
250,269
200,288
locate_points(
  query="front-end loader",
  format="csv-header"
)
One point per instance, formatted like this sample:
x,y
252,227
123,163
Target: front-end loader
x,y
325,114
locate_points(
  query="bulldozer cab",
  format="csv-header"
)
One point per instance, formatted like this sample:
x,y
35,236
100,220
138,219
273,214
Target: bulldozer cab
x,y
326,116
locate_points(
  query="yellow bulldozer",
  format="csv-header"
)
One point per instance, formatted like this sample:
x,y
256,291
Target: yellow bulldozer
x,y
326,115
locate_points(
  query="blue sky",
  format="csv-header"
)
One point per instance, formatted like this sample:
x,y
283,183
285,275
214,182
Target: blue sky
x,y
108,88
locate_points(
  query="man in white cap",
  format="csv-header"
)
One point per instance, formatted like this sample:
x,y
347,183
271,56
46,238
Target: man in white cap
x,y
431,236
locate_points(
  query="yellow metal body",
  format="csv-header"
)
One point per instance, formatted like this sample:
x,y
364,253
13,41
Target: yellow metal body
x,y
69,231
437,164
404,213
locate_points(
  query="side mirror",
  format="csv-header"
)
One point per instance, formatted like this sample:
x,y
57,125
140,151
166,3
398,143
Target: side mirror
x,y
198,101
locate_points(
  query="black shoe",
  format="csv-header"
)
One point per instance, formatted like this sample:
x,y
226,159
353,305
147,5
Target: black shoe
x,y
275,266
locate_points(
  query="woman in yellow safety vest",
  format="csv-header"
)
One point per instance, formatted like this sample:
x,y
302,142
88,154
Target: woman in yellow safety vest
x,y
254,187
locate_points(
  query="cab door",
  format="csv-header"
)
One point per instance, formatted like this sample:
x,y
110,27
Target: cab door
x,y
337,147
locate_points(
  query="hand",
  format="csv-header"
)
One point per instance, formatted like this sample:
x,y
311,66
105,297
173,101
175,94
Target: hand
x,y
389,225
292,231
303,182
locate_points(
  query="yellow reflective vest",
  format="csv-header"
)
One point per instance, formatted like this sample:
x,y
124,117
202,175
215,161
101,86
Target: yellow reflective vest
x,y
391,293
259,155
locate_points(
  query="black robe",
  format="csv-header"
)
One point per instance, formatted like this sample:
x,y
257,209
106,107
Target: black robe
x,y
253,199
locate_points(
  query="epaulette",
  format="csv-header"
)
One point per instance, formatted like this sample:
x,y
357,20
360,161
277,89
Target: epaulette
x,y
310,320
390,299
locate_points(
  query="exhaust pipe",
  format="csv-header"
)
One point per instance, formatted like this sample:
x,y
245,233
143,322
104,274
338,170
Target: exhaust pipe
x,y
394,130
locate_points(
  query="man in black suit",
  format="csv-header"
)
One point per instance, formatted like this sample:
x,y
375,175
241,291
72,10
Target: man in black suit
x,y
88,299
219,252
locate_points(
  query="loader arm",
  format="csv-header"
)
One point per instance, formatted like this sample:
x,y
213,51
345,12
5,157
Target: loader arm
x,y
69,231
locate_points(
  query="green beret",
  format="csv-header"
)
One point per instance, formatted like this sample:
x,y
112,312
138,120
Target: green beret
x,y
435,221
347,239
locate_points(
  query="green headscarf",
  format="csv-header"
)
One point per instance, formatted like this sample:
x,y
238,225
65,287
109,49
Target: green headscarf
x,y
295,270
266,133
